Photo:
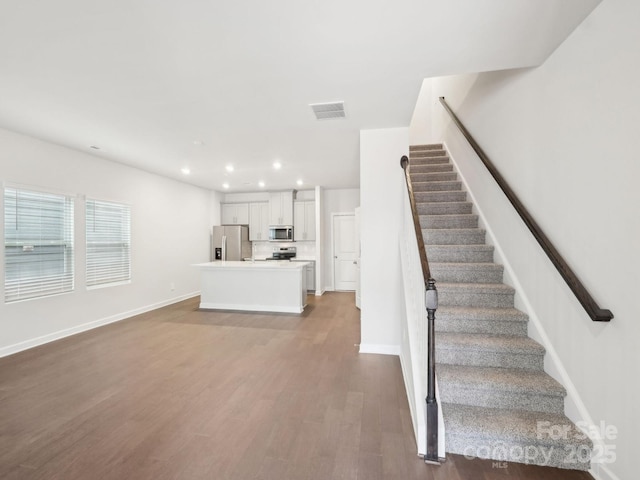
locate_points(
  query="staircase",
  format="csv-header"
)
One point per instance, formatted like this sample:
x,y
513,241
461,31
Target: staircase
x,y
497,401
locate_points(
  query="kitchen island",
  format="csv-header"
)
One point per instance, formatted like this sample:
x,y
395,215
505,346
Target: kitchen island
x,y
266,286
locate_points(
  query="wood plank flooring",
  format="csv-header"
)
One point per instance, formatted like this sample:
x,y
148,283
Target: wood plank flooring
x,y
185,394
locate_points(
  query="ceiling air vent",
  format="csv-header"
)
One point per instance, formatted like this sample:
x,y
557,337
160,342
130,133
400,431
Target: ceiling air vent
x,y
325,111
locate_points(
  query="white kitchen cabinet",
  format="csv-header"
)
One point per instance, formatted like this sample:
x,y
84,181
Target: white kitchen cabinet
x,y
311,276
259,221
310,272
281,208
304,220
234,213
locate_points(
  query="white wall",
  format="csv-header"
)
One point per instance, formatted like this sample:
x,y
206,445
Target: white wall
x,y
335,201
170,231
381,190
565,137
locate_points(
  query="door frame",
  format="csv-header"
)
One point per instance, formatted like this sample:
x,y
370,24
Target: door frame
x,y
333,249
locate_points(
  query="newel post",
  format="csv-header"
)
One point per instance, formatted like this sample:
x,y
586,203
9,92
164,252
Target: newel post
x,y
431,301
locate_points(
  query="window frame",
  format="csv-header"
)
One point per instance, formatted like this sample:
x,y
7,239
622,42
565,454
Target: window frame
x,y
111,245
36,237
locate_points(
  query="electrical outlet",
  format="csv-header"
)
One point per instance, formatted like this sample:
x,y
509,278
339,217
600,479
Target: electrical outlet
x,y
172,286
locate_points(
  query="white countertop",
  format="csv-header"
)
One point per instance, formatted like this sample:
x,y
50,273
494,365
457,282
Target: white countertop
x,y
272,264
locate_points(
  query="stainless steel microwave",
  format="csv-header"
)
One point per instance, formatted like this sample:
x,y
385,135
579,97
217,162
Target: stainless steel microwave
x,y
281,233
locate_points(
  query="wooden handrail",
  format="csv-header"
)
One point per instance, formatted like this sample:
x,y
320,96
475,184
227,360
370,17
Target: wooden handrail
x,y
426,272
431,305
594,311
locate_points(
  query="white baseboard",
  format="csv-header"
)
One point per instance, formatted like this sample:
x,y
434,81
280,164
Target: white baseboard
x,y
601,472
67,332
380,349
251,308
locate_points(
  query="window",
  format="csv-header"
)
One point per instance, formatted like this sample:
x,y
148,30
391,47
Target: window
x,y
108,243
38,244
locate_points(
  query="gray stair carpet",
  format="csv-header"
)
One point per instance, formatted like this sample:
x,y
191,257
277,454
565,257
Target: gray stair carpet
x,y
496,399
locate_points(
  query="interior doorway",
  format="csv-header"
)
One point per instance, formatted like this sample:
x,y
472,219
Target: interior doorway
x,y
345,252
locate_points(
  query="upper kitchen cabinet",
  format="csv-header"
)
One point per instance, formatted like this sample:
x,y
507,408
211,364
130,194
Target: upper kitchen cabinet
x,y
281,208
304,220
234,213
259,221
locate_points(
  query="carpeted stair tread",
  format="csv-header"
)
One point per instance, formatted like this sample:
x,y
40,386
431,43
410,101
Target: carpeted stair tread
x,y
493,433
501,343
506,379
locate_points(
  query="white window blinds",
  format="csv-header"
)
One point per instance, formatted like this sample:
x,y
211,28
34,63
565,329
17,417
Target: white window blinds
x,y
108,243
38,244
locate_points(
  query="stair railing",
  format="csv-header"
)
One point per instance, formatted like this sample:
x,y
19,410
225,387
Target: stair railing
x,y
431,303
594,311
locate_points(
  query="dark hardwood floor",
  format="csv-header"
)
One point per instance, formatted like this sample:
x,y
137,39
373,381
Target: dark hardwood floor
x,y
183,394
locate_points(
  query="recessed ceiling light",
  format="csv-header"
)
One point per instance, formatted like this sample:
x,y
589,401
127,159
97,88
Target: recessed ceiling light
x,y
229,168
225,185
185,170
277,165
261,184
299,182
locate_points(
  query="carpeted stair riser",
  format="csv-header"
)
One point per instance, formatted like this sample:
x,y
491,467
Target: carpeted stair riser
x,y
434,177
440,196
479,432
444,160
474,297
427,153
499,321
500,388
464,325
460,253
421,148
467,272
453,352
437,186
453,236
445,208
449,221
432,168
475,294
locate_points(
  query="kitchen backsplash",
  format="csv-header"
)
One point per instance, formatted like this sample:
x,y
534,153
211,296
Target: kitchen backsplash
x,y
304,249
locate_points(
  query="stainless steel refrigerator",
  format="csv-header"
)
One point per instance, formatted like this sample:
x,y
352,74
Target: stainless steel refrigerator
x,y
230,242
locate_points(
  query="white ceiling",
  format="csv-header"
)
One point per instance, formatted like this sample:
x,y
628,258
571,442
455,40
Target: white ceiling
x,y
144,79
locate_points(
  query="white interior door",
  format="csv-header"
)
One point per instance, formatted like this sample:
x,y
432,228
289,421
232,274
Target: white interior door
x,y
357,240
345,258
